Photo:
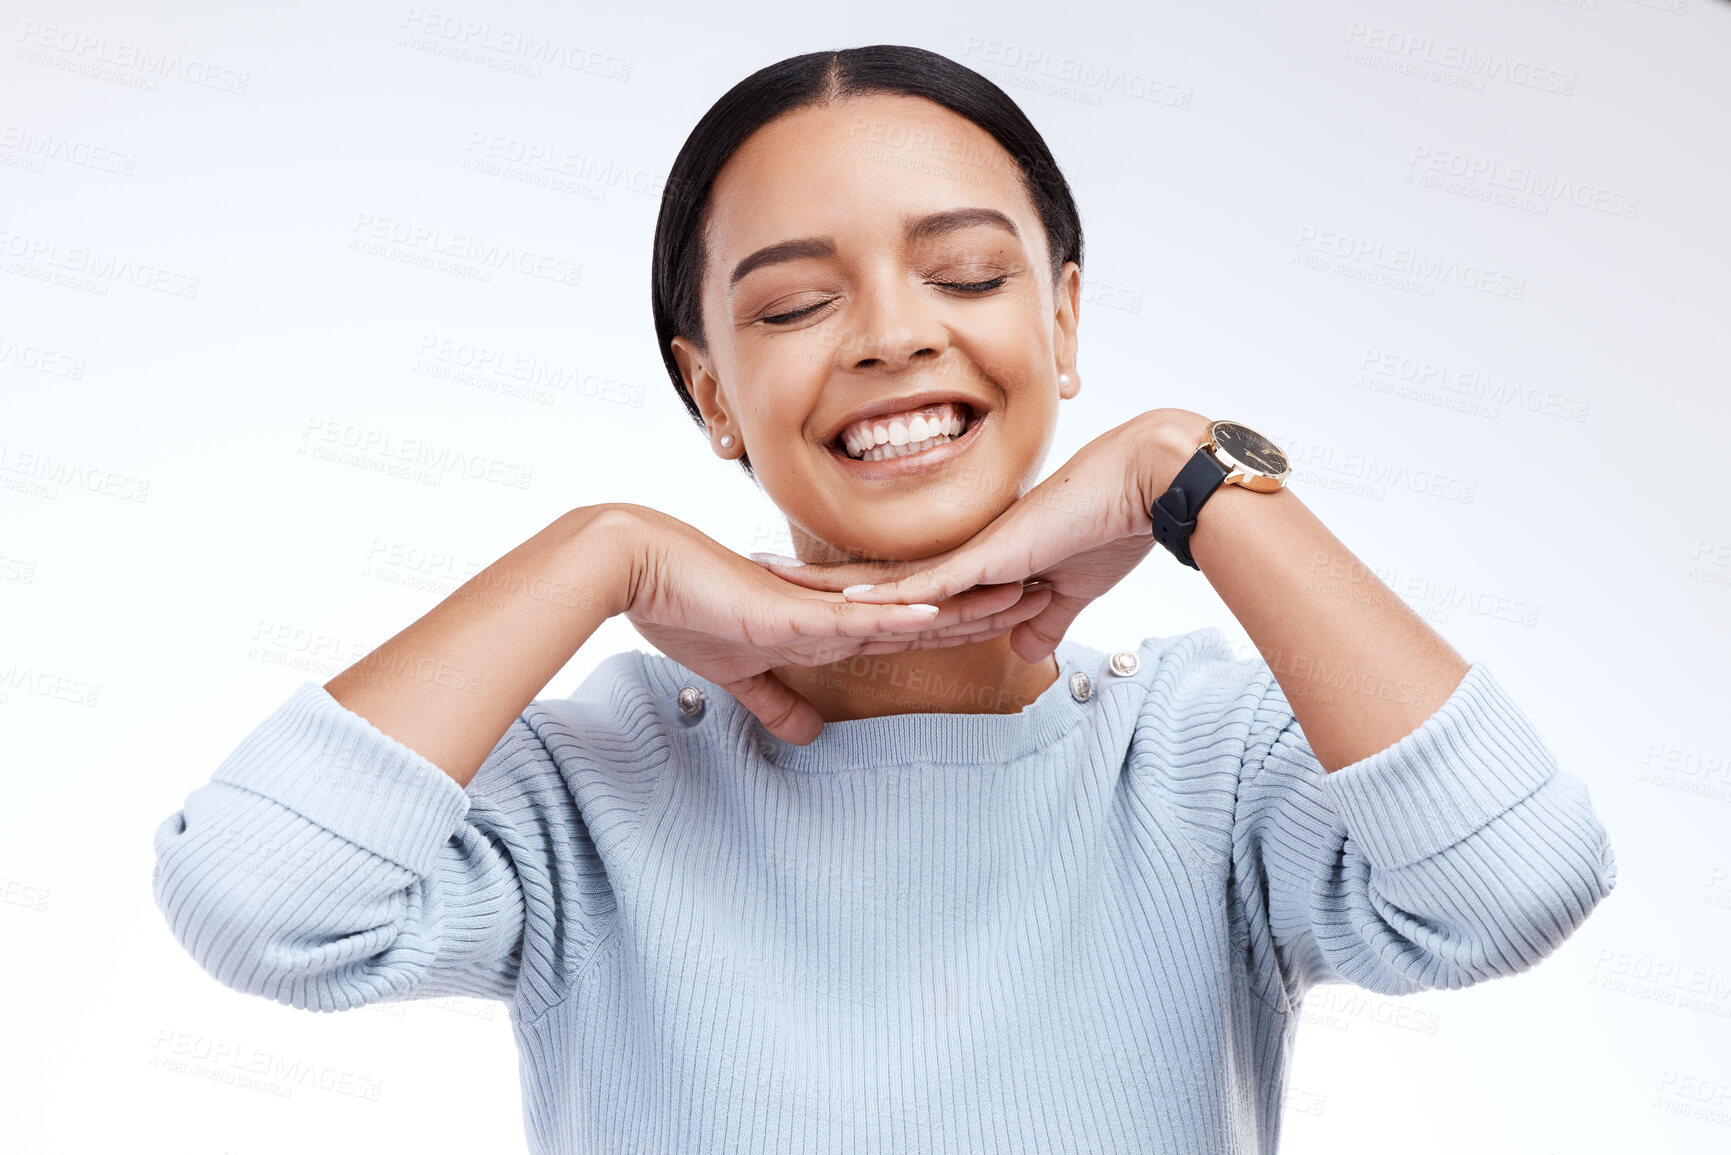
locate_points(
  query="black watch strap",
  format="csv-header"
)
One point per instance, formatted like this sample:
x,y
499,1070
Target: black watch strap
x,y
1174,513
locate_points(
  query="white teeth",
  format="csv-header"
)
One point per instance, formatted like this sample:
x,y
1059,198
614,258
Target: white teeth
x,y
905,433
885,452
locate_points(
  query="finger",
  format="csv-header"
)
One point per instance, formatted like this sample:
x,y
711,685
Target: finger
x,y
980,606
967,633
963,614
986,560
986,619
1039,636
1013,613
963,607
829,617
823,651
972,604
784,713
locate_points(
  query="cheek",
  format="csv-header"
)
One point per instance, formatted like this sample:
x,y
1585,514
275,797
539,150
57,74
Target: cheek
x,y
1010,347
779,390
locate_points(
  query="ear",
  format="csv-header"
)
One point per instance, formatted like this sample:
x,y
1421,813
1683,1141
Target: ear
x,y
1065,318
705,389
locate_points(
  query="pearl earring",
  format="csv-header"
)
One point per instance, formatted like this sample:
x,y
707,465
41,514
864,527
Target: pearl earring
x,y
727,440
1063,378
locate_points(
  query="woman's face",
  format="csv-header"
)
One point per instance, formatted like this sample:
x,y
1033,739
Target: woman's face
x,y
865,259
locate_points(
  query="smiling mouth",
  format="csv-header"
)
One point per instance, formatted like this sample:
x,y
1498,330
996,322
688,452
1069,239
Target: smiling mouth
x,y
905,434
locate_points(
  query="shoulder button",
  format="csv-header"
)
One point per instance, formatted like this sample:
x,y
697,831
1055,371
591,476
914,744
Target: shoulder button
x,y
1081,686
690,701
1124,663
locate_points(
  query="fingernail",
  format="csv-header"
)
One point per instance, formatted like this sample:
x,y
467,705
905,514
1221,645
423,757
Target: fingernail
x,y
852,590
775,559
923,606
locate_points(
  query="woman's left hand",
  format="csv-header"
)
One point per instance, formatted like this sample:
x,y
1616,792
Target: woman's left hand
x,y
1078,533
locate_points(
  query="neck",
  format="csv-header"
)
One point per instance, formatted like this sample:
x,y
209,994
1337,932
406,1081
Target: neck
x,y
978,678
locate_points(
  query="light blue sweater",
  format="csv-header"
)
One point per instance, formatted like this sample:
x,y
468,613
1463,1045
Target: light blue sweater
x,y
1084,927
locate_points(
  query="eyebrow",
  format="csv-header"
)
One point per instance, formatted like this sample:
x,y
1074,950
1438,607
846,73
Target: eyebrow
x,y
918,229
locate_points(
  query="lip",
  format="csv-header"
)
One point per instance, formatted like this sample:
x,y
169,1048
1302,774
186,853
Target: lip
x,y
917,463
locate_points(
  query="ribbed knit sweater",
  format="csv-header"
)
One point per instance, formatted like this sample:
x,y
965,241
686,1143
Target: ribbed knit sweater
x,y
1085,927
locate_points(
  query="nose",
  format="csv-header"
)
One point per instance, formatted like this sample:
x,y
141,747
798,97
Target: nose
x,y
895,325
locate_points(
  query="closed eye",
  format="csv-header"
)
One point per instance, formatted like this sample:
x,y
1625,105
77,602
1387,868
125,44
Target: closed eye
x,y
784,318
972,286
953,286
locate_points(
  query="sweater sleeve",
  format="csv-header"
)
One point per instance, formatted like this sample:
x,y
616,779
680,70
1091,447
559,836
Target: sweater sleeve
x,y
327,865
1459,853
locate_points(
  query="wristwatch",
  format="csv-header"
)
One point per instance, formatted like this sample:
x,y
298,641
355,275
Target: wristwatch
x,y
1232,453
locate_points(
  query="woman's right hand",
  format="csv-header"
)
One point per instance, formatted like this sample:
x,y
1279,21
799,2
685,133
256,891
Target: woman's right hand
x,y
729,620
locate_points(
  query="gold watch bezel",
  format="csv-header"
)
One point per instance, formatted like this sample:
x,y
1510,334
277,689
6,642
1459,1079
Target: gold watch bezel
x,y
1242,473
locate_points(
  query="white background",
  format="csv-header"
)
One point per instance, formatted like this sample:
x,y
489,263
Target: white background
x,y
173,565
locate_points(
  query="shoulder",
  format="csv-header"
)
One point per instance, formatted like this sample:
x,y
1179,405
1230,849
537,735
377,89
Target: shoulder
x,y
1180,685
613,712
1201,679
1210,711
603,746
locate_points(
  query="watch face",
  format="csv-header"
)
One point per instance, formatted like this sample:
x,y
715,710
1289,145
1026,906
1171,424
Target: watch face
x,y
1246,447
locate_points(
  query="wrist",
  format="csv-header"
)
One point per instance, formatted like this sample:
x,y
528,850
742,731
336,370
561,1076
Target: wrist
x,y
1167,439
605,543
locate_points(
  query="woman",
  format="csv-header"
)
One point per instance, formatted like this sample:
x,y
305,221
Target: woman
x,y
895,867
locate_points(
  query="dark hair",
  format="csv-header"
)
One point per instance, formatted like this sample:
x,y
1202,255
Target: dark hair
x,y
821,78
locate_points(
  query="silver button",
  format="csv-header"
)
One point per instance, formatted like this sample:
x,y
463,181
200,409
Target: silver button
x,y
1124,663
1081,688
690,701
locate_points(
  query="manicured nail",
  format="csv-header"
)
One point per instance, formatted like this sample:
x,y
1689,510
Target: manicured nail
x,y
923,606
850,591
775,559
